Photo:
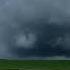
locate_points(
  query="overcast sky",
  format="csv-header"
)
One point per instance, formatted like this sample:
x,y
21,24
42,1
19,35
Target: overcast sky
x,y
35,28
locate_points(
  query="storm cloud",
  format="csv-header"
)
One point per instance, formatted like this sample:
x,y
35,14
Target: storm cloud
x,y
34,28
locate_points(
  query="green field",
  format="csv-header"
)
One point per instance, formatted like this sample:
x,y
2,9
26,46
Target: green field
x,y
34,65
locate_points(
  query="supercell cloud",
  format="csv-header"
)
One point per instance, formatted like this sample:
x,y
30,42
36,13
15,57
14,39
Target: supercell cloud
x,y
35,29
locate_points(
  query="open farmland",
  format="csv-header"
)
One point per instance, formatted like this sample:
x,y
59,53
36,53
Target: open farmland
x,y
34,65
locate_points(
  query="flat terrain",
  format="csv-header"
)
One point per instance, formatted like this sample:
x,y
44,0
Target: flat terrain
x,y
34,65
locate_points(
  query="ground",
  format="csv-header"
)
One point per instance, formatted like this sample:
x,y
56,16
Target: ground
x,y
34,65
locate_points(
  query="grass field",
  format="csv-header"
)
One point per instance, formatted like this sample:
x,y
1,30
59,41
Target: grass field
x,y
34,65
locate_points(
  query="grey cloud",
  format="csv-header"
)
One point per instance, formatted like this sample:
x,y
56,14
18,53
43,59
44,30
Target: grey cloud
x,y
47,19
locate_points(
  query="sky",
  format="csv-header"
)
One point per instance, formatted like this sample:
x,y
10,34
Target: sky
x,y
35,29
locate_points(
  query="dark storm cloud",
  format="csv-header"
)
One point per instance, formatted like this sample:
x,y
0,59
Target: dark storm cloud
x,y
41,28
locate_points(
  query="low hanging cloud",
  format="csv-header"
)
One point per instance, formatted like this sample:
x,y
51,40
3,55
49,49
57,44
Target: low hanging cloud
x,y
25,41
47,21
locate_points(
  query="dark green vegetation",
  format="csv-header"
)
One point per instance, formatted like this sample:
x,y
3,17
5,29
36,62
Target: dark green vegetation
x,y
35,64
